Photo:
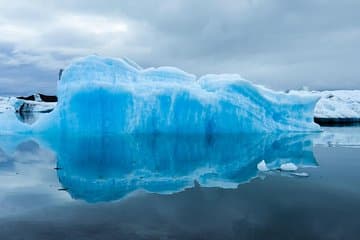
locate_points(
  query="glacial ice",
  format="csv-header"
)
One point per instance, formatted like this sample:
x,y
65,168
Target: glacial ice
x,y
261,166
13,104
336,106
288,167
100,95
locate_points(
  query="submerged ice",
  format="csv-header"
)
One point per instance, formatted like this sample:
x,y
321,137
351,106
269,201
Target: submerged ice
x,y
104,96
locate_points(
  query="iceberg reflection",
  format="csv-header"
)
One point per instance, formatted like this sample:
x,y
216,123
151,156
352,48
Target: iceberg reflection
x,y
109,167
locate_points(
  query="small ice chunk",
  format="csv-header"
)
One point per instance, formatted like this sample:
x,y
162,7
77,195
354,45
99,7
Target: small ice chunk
x,y
300,174
261,166
288,167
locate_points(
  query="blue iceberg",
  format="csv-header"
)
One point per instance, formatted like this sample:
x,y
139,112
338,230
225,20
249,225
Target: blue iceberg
x,y
105,96
100,96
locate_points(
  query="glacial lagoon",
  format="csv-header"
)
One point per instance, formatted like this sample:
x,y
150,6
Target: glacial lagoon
x,y
164,186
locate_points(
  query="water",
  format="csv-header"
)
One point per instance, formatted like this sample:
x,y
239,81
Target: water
x,y
177,187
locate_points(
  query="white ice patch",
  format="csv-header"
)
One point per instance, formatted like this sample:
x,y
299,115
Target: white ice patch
x,y
288,167
261,166
13,104
300,174
335,104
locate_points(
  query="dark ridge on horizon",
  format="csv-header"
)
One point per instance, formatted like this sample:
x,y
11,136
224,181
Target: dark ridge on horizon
x,y
43,97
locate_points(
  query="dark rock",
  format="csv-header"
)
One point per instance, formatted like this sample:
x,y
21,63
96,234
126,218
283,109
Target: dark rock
x,y
29,98
43,97
48,98
337,121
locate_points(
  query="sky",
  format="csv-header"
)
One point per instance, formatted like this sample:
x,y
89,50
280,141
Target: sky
x,y
280,44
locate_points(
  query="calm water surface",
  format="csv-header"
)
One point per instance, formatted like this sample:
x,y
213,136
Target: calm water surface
x,y
181,187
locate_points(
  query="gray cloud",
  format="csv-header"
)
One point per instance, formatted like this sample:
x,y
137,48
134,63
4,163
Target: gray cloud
x,y
277,43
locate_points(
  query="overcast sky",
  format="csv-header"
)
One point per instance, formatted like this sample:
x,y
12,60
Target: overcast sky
x,y
281,44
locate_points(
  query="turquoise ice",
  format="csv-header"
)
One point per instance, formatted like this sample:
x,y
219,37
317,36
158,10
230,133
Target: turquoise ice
x,y
100,96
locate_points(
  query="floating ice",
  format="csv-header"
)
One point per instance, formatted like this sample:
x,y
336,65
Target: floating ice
x,y
13,104
300,174
261,166
337,106
104,96
7,104
10,124
288,167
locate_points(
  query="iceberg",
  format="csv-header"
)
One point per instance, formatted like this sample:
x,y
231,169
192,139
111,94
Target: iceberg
x,y
340,104
25,109
98,95
18,104
336,107
6,104
261,166
288,167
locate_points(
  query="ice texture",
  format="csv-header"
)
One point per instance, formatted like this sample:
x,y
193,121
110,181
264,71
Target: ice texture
x,y
261,166
341,104
5,104
288,167
100,95
13,104
10,124
104,95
